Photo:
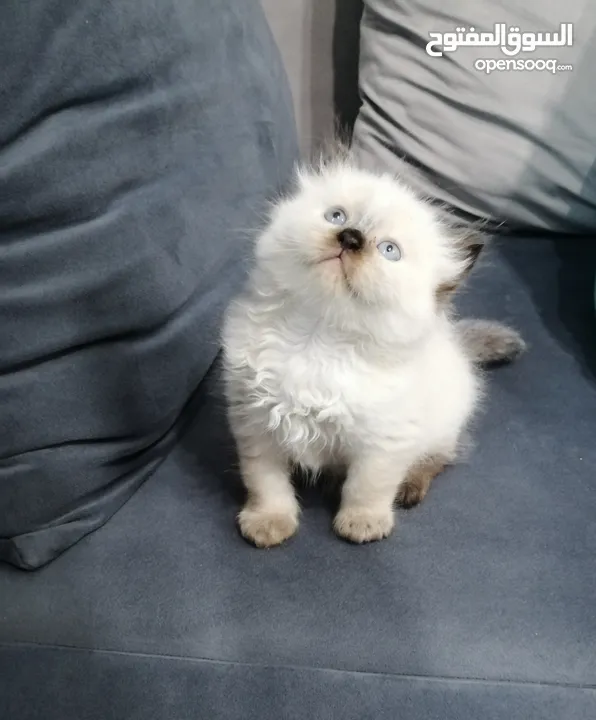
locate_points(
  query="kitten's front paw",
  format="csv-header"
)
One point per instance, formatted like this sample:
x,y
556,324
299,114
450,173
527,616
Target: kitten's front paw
x,y
361,525
266,528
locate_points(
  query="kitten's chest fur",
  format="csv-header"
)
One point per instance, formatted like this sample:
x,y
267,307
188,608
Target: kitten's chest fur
x,y
311,411
316,394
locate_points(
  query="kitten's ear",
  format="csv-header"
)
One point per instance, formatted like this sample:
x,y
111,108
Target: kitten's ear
x,y
469,245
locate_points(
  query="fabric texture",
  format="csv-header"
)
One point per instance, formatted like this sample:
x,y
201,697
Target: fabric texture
x,y
513,146
115,685
481,605
126,188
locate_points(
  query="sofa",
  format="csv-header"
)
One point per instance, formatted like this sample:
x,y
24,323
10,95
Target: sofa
x,y
138,146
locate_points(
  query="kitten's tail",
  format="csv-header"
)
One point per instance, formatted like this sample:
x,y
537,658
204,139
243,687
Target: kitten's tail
x,y
490,343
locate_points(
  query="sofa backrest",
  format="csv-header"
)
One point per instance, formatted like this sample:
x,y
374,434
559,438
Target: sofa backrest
x,y
319,41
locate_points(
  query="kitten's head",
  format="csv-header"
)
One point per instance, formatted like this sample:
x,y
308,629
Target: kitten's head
x,y
355,242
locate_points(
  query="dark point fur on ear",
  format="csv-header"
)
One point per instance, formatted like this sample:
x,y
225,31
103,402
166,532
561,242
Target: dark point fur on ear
x,y
471,254
469,242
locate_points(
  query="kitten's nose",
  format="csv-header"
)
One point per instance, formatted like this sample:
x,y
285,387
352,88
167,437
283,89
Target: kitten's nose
x,y
351,239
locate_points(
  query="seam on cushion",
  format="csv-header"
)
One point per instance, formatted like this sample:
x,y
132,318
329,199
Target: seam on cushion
x,y
302,668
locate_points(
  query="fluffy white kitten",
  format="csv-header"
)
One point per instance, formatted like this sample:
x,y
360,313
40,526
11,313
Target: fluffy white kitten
x,y
342,352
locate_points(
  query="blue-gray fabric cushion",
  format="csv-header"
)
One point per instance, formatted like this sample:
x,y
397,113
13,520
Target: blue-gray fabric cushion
x,y
512,146
137,141
479,607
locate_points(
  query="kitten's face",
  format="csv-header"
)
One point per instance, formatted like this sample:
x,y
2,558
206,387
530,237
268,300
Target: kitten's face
x,y
349,237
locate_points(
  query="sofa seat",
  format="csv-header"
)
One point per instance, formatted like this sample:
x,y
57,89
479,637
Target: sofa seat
x,y
480,605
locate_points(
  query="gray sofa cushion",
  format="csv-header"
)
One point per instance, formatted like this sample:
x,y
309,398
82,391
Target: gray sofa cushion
x,y
479,607
513,146
125,183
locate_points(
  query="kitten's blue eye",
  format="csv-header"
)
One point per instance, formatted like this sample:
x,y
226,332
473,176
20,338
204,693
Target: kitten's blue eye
x,y
389,250
336,216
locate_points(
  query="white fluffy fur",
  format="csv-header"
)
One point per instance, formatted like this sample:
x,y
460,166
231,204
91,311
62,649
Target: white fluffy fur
x,y
345,361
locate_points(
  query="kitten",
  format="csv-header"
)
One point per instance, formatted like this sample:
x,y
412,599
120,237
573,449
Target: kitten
x,y
342,352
